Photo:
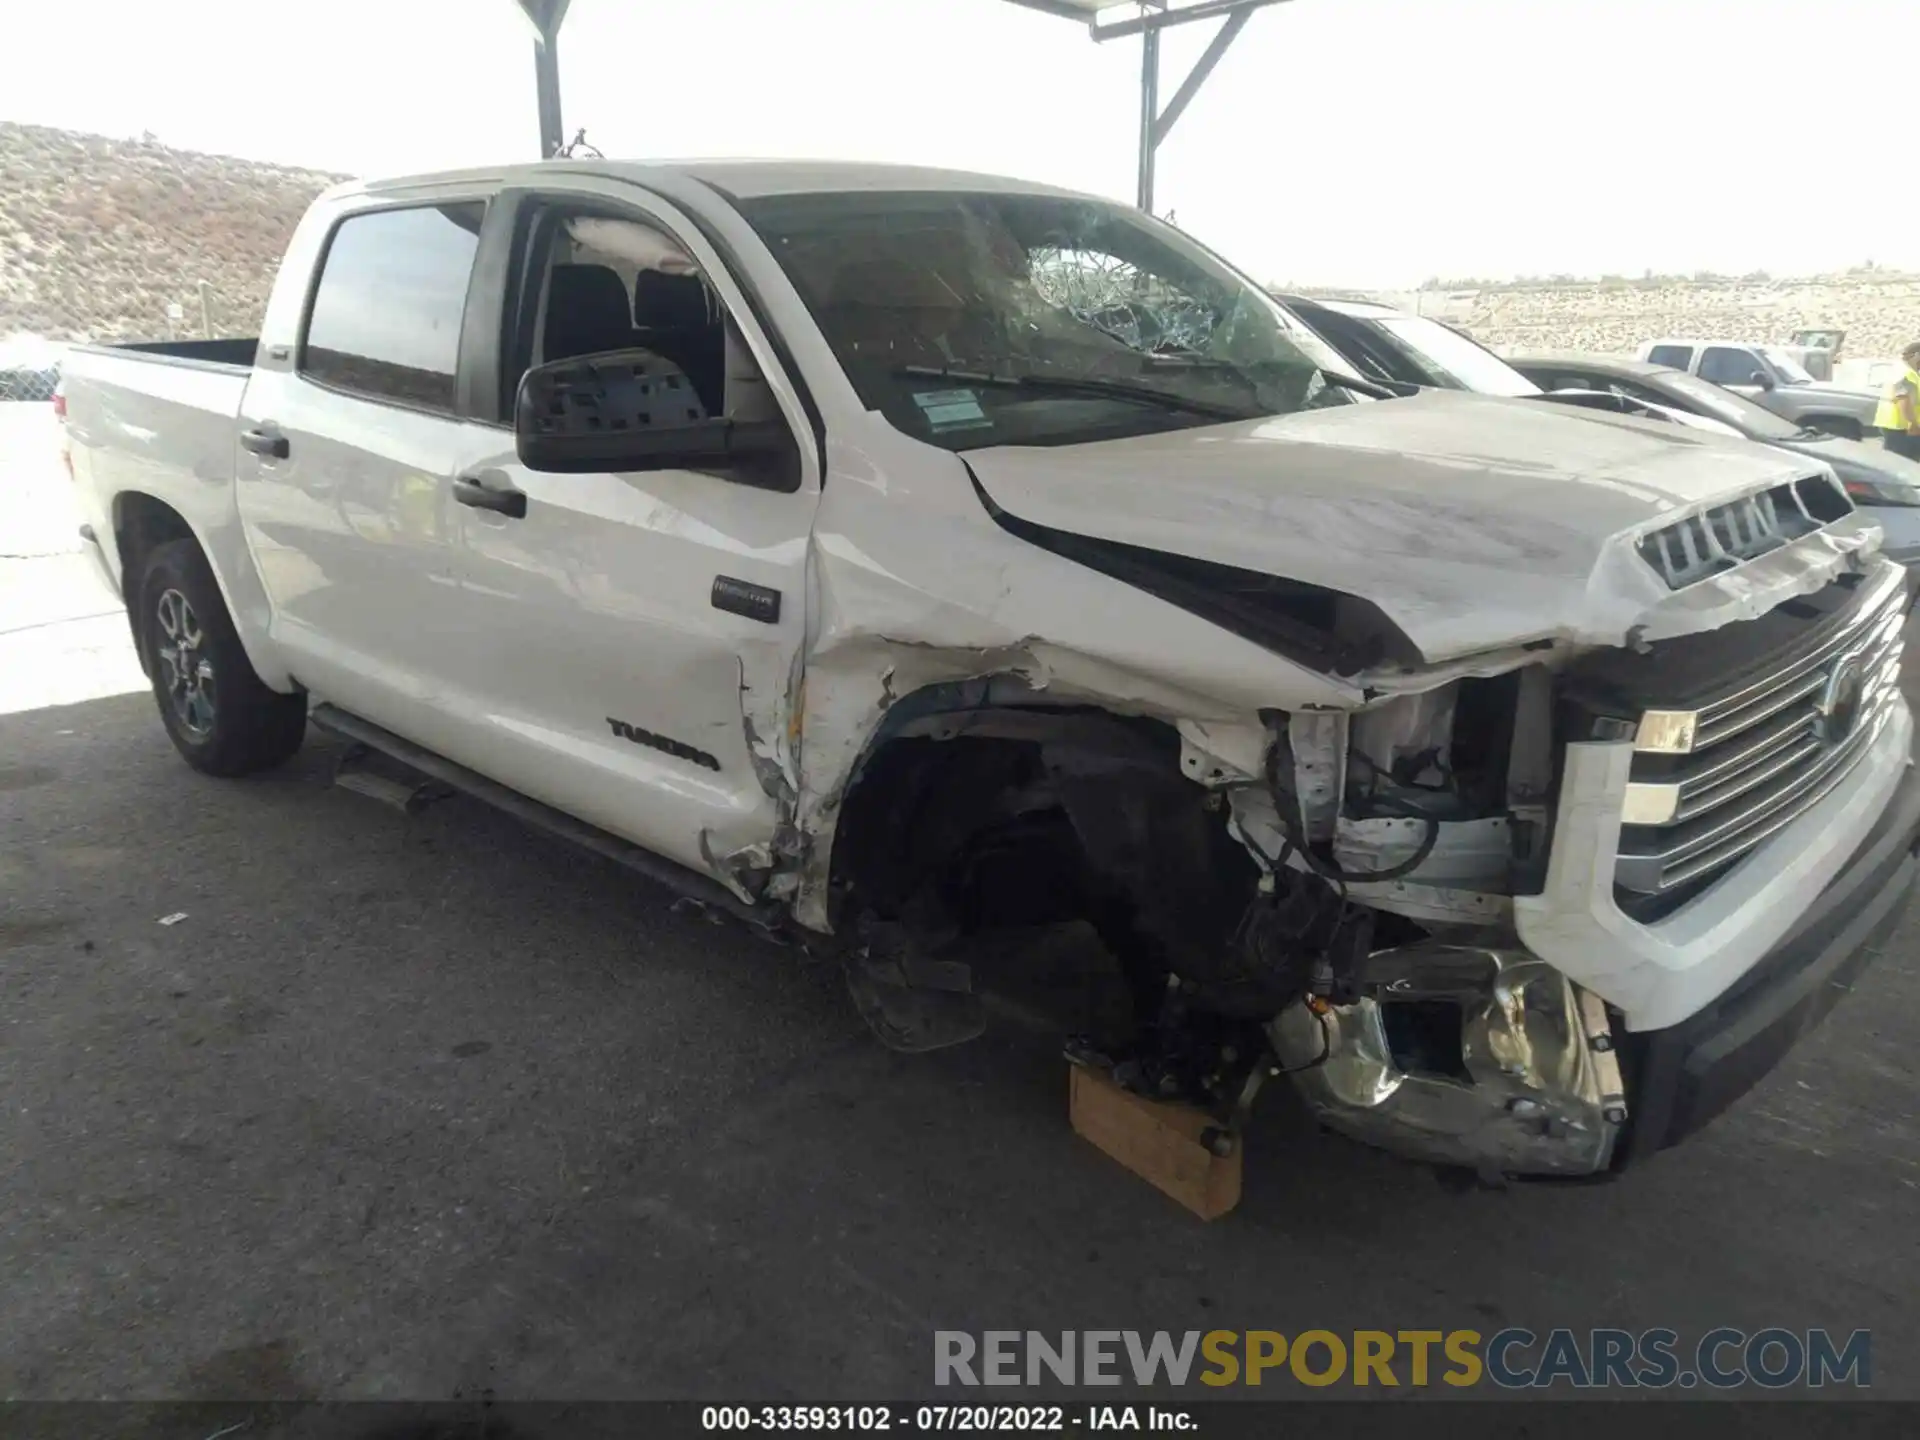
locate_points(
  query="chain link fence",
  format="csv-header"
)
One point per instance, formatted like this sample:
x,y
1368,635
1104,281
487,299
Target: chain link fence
x,y
28,372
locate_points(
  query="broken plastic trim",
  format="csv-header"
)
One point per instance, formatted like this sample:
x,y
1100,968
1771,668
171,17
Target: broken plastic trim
x,y
1723,536
1242,602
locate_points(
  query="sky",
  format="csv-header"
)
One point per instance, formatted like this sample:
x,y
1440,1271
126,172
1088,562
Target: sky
x,y
1371,143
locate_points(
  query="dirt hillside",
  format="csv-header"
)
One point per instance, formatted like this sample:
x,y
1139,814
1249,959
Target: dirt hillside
x,y
98,237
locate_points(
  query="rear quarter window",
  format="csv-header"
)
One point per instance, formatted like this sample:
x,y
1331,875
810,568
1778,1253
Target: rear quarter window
x,y
1678,356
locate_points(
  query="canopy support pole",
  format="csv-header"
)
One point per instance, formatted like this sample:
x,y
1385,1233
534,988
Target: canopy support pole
x,y
1153,17
546,17
1149,114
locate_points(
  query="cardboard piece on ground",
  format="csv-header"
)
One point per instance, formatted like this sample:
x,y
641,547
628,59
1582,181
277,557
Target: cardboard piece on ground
x,y
1159,1142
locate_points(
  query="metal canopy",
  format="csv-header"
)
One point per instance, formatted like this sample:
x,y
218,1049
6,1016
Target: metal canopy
x,y
1149,18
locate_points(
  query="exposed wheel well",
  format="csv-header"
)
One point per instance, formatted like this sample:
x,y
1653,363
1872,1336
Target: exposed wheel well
x,y
141,523
970,817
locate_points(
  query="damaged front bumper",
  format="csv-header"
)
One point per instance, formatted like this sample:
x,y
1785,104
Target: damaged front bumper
x,y
1493,1060
1683,1076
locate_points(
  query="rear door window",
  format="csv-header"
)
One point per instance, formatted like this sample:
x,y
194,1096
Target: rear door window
x,y
1678,356
386,315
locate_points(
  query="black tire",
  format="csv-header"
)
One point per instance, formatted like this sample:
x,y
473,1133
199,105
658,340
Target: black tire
x,y
220,715
1842,426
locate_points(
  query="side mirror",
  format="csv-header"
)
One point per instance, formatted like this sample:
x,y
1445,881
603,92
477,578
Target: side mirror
x,y
1762,379
631,410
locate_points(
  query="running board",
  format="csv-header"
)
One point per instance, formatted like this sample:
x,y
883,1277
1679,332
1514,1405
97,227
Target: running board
x,y
689,883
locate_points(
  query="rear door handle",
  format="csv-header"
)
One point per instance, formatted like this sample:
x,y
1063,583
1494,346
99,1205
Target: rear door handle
x,y
269,443
497,495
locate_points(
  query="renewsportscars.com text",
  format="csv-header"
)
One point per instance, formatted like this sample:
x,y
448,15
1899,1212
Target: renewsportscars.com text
x,y
1511,1359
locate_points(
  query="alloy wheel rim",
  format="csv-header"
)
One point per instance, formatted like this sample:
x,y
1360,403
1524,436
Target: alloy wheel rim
x,y
186,672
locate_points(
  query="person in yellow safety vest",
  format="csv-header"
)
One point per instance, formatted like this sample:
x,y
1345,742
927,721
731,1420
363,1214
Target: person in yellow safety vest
x,y
1898,418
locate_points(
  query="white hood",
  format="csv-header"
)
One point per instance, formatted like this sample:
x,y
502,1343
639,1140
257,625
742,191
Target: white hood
x,y
1472,522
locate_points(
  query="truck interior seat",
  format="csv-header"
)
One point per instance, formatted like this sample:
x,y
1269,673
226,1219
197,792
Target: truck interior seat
x,y
888,309
587,313
678,320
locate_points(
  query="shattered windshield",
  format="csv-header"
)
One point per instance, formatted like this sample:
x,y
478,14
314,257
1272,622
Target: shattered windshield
x,y
973,319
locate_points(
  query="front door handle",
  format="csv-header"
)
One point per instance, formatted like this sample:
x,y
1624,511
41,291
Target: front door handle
x,y
268,443
491,495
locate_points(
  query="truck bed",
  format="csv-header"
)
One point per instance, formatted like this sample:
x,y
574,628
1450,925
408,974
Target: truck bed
x,y
159,421
236,352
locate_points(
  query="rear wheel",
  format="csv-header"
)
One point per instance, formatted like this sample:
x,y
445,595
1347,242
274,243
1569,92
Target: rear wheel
x,y
221,717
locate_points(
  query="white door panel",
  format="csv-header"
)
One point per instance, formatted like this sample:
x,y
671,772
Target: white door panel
x,y
604,679
352,534
349,521
596,610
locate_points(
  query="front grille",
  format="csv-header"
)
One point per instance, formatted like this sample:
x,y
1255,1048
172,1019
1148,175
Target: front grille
x,y
1726,774
1726,535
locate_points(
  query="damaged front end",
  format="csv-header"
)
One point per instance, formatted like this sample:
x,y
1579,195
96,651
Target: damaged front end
x,y
1424,1027
1324,896
1483,1058
1344,890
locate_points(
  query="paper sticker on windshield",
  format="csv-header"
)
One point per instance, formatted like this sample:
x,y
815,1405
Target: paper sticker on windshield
x,y
951,410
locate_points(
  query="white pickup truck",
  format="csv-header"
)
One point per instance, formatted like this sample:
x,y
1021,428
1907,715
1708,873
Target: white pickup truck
x,y
896,557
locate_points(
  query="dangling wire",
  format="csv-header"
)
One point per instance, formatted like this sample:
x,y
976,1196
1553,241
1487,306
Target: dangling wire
x,y
1331,869
578,147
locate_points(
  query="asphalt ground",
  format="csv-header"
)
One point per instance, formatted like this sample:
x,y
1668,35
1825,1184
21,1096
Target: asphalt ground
x,y
433,1105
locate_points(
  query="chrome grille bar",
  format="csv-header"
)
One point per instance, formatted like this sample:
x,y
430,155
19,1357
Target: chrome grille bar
x,y
1763,755
1772,820
1728,717
1876,604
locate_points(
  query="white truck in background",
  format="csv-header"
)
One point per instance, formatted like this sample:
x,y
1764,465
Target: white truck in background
x,y
895,557
1772,377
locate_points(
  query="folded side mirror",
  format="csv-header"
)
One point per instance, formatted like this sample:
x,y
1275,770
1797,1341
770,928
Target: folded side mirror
x,y
628,410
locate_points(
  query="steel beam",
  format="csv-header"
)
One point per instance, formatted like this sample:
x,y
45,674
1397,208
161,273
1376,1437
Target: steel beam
x,y
1161,19
1065,9
1202,68
1149,114
546,17
1155,123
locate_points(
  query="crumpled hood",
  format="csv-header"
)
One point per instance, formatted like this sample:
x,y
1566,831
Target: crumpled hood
x,y
1473,522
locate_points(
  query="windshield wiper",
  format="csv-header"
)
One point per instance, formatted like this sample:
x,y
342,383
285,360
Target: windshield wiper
x,y
1378,389
1096,386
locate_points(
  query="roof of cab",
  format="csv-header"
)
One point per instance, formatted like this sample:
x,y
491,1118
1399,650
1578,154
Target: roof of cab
x,y
747,179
